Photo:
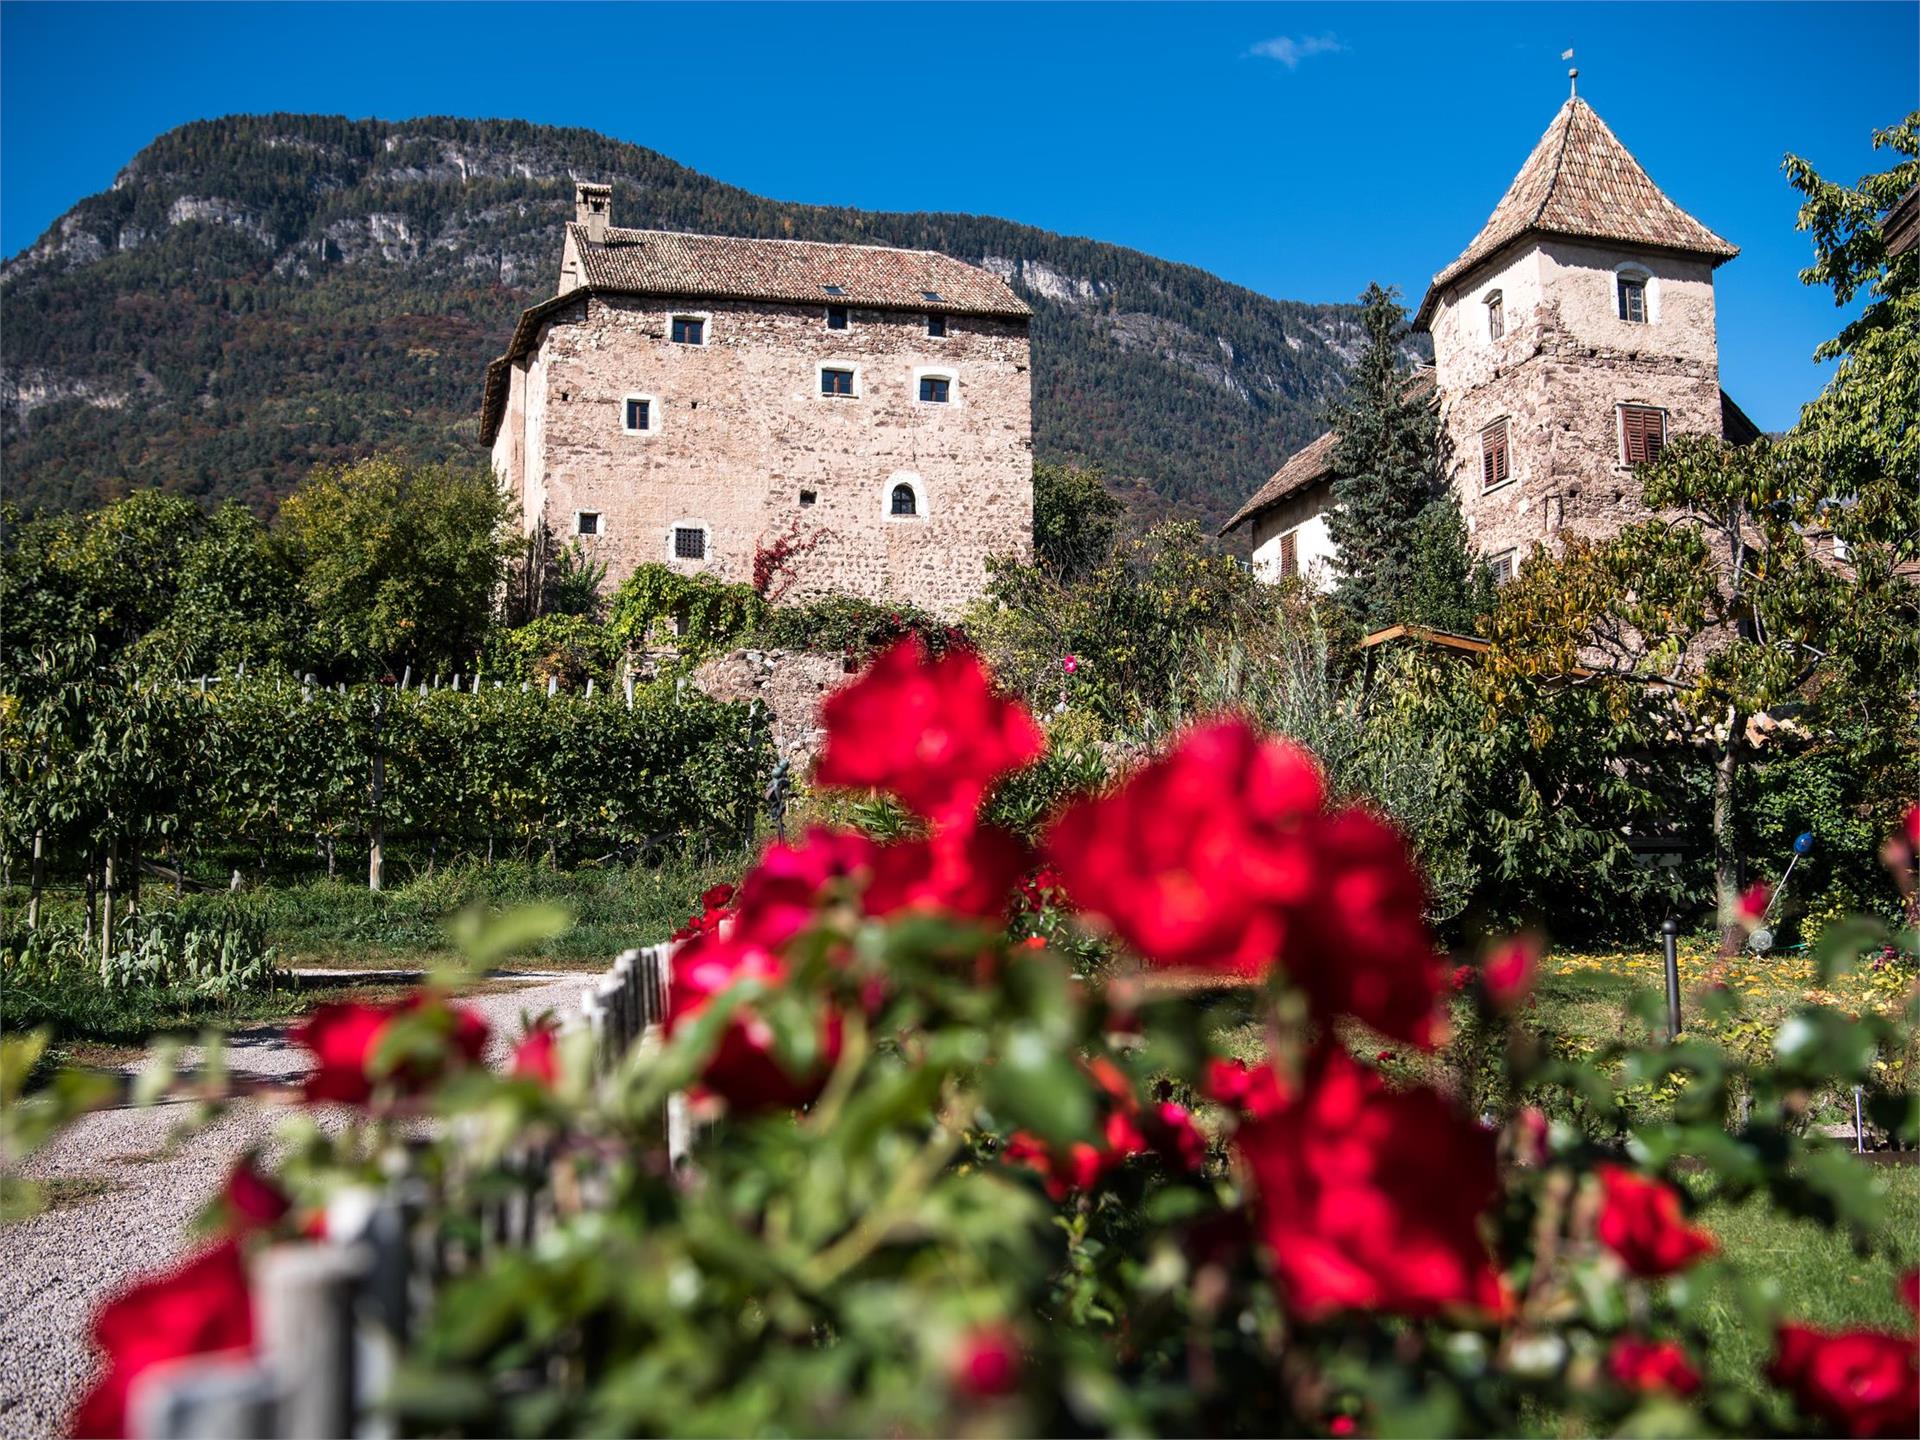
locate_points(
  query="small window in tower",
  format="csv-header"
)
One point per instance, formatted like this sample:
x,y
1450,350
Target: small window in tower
x,y
807,497
1502,567
933,295
833,289
1289,554
937,325
904,502
835,380
1495,464
1643,433
934,389
837,317
637,414
689,542
1633,299
689,330
586,522
1496,316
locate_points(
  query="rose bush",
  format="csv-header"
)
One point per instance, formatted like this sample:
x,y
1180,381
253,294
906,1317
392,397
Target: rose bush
x,y
944,1185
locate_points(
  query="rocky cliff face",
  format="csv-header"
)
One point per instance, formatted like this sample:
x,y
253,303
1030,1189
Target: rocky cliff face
x,y
261,294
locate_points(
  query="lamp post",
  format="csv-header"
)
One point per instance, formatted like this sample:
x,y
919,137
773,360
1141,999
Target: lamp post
x,y
1669,944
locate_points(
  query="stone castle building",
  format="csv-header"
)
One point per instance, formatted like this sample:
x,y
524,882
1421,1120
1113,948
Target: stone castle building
x,y
1570,338
703,400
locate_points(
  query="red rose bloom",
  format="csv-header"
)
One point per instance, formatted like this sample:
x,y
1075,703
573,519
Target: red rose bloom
x,y
1646,1366
1364,949
1862,1382
1200,859
252,1201
1370,1198
987,1364
1640,1221
199,1308
345,1039
781,894
930,732
1254,1093
537,1056
743,1069
1508,973
1753,902
968,872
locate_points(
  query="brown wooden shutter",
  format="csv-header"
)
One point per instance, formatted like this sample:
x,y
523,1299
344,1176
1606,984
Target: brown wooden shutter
x,y
1643,432
1289,555
1494,465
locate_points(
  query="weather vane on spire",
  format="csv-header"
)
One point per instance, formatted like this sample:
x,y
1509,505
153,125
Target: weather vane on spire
x,y
1573,76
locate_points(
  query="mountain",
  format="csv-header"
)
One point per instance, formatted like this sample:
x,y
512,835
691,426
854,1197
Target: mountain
x,y
259,294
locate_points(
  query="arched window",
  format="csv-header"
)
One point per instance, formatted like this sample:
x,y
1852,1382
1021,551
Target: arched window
x,y
903,496
904,501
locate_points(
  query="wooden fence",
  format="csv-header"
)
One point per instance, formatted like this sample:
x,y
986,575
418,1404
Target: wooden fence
x,y
332,1317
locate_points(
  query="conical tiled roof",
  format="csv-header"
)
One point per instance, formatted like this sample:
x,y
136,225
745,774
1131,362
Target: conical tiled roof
x,y
1581,182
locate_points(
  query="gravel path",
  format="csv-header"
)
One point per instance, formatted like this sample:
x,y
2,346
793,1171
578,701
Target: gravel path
x,y
55,1268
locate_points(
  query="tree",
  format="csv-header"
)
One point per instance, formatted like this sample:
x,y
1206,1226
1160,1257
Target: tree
x,y
397,563
1074,518
236,603
1395,562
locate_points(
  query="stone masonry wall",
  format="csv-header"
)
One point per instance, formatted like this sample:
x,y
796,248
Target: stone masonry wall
x,y
1559,375
744,443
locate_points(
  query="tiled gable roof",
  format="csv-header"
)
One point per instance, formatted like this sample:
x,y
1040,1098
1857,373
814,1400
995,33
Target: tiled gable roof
x,y
1309,465
731,267
1581,182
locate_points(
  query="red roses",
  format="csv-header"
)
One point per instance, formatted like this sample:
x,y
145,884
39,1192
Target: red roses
x,y
1649,1366
1370,1198
348,1039
1220,856
930,732
1862,1382
198,1308
1640,1222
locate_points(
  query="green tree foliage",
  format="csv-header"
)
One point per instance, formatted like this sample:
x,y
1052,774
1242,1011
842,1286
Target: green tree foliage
x,y
1130,629
398,563
1400,545
236,604
1074,519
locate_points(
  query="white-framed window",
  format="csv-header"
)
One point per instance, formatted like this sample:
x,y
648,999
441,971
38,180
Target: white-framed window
x,y
1636,295
839,317
934,386
1502,566
1643,433
839,380
688,327
1496,315
903,497
689,540
588,522
639,414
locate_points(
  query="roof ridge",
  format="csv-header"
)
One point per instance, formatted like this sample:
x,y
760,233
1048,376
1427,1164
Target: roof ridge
x,y
776,240
1559,159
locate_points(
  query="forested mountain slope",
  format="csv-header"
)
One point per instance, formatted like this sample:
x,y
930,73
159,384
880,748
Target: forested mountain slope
x,y
261,293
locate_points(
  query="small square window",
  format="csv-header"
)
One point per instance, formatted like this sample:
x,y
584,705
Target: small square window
x,y
689,330
836,317
689,542
833,289
836,382
1633,300
639,414
933,295
933,389
937,325
587,522
807,497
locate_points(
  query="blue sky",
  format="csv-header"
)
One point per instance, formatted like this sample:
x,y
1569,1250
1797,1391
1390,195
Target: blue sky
x,y
1301,150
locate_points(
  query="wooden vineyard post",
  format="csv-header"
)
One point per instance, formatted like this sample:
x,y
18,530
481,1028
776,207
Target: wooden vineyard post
x,y
106,909
376,826
39,879
305,1295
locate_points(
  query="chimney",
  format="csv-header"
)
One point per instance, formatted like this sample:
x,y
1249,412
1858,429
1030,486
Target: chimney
x,y
592,207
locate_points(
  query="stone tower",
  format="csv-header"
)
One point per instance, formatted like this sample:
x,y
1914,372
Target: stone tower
x,y
1570,339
